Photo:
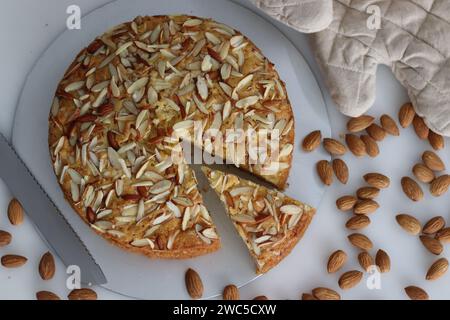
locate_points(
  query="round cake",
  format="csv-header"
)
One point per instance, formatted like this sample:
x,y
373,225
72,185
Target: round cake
x,y
125,103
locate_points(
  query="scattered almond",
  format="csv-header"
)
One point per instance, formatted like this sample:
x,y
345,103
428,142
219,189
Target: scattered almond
x,y
231,292
433,245
350,279
367,193
383,261
359,123
325,172
389,125
409,223
436,140
406,115
82,294
434,225
365,207
440,185
334,147
371,146
377,180
325,294
308,296
341,170
433,161
5,238
13,261
356,145
47,266
312,141
365,260
194,284
15,212
46,295
358,222
443,235
360,241
437,269
420,127
336,261
416,293
346,203
411,189
423,173
376,132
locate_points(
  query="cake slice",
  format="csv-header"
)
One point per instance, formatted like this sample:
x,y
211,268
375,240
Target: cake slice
x,y
269,222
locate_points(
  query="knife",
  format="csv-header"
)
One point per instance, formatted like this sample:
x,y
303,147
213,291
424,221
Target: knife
x,y
51,224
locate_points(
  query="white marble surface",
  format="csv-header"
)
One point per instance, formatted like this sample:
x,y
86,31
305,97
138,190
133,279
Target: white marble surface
x,y
28,26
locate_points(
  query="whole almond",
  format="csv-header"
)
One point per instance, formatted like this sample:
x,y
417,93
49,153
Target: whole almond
x,y
440,185
367,193
406,115
308,296
376,132
194,284
411,189
409,223
325,172
436,140
434,225
423,173
341,170
431,244
13,261
334,147
437,269
365,260
46,295
357,222
336,261
420,127
346,203
322,293
443,235
359,123
260,298
231,292
112,141
360,241
82,294
47,266
350,279
377,180
416,293
5,238
15,212
371,146
383,261
312,141
365,207
433,161
389,125
356,145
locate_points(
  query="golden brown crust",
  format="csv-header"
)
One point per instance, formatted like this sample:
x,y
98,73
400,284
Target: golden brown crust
x,y
287,246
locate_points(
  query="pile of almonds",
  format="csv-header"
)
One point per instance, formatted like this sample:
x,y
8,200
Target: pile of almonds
x,y
46,267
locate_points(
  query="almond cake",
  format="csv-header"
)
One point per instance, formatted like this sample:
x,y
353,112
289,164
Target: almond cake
x,y
121,107
270,223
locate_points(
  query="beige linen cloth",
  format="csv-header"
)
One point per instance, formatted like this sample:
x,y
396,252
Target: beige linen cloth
x,y
413,40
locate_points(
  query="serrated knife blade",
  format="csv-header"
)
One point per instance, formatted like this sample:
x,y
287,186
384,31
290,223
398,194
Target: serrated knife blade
x,y
49,221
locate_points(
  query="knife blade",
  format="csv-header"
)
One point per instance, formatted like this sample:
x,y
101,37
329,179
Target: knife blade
x,y
50,222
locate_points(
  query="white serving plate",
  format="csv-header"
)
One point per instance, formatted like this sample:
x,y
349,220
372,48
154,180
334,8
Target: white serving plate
x,y
130,274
